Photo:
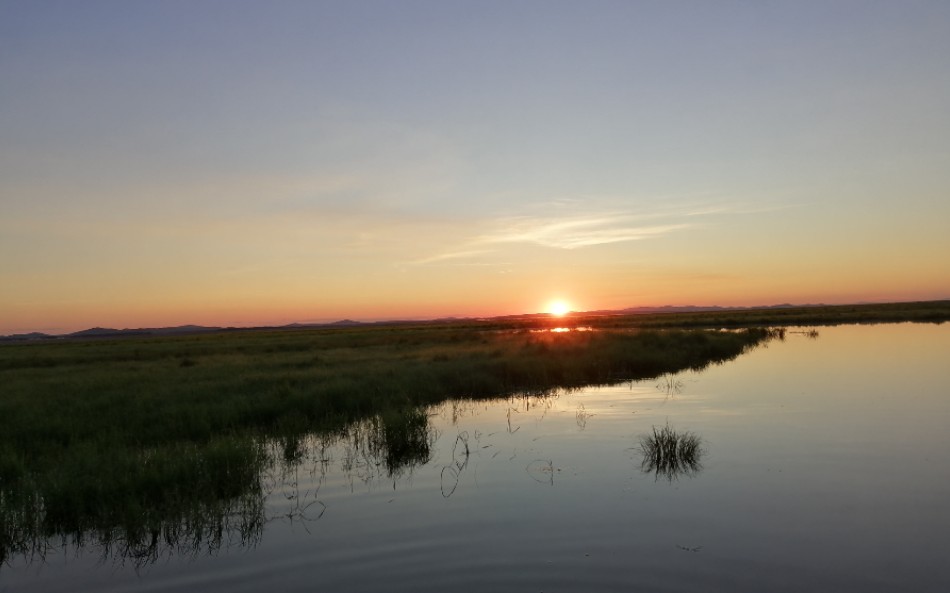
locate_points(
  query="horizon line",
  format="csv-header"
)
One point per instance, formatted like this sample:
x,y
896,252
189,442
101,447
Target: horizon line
x,y
423,318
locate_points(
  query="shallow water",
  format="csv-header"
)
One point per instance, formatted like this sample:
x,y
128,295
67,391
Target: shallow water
x,y
824,467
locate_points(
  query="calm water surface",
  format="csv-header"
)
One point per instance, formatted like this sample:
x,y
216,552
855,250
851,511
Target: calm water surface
x,y
824,467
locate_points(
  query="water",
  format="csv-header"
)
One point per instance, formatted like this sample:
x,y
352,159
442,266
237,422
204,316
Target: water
x,y
823,467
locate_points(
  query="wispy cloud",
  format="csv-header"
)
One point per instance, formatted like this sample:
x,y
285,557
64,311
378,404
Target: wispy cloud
x,y
571,233
452,257
559,232
574,223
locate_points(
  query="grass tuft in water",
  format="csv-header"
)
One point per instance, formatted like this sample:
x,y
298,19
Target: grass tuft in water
x,y
671,454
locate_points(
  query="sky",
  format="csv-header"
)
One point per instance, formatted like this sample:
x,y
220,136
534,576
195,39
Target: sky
x,y
246,163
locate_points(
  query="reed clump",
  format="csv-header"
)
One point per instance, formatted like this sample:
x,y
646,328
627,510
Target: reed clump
x,y
670,454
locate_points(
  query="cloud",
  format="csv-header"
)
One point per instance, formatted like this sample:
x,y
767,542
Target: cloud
x,y
455,255
560,232
576,223
571,233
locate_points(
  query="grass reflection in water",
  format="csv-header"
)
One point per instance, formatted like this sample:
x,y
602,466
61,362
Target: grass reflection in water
x,y
201,500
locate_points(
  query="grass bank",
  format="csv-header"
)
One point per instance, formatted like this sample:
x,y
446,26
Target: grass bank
x,y
64,397
916,312
133,438
148,443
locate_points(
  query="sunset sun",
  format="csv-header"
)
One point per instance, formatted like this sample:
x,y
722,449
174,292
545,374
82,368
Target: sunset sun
x,y
558,308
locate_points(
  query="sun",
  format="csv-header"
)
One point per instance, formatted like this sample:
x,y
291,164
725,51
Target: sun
x,y
559,308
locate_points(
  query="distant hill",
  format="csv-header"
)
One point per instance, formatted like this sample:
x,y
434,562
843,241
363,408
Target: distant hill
x,y
340,323
97,332
675,309
345,322
182,329
108,332
27,337
703,309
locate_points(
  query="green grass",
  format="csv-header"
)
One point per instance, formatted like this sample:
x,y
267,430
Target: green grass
x,y
136,393
125,440
141,444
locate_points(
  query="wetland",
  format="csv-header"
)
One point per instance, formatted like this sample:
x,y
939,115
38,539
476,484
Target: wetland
x,y
432,457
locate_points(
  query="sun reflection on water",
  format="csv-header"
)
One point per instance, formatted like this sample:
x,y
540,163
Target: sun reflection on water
x,y
561,330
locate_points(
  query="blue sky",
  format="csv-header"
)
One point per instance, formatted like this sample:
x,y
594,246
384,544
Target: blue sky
x,y
261,162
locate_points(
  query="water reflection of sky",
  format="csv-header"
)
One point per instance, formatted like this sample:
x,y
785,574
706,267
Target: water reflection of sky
x,y
824,468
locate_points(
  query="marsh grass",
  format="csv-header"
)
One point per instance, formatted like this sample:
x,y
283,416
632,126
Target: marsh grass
x,y
137,505
670,454
151,446
144,444
919,312
402,438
